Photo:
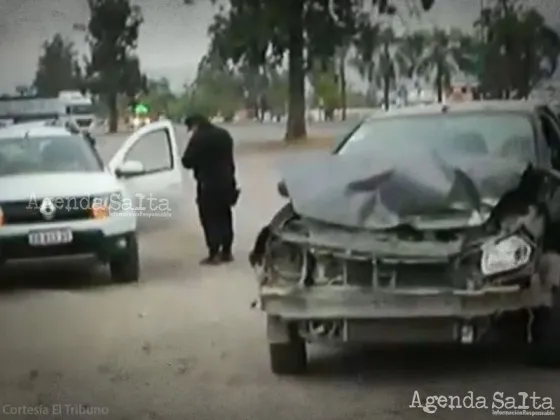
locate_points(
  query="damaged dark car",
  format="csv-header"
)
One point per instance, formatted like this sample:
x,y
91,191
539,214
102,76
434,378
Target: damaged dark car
x,y
432,224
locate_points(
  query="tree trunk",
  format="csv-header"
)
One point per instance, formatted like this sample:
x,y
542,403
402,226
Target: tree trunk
x,y
342,71
386,76
439,84
113,112
295,128
386,90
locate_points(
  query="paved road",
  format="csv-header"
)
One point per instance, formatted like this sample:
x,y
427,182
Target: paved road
x,y
184,344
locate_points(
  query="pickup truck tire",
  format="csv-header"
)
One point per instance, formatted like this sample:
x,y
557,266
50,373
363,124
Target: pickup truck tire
x,y
288,358
126,267
546,334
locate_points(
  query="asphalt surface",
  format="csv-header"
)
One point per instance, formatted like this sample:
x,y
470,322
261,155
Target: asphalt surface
x,y
185,344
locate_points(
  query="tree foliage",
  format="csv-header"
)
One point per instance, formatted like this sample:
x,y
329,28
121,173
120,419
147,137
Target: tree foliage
x,y
306,31
114,69
518,49
446,53
58,68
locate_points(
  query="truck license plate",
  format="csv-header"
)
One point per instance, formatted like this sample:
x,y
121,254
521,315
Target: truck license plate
x,y
50,237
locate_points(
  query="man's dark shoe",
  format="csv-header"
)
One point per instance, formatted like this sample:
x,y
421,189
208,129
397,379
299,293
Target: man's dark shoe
x,y
211,260
226,257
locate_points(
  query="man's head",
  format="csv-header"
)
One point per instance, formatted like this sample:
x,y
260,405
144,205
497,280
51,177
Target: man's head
x,y
193,122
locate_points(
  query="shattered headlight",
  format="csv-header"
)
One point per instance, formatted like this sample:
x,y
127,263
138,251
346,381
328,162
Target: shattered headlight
x,y
287,262
507,254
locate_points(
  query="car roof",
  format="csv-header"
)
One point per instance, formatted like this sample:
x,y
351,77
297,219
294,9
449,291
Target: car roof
x,y
517,106
33,130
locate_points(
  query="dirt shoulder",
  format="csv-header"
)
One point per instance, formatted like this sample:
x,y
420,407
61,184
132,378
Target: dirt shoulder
x,y
273,146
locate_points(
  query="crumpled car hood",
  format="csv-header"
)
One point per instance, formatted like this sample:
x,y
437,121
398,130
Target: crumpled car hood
x,y
382,192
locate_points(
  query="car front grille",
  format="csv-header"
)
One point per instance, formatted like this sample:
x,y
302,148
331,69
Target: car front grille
x,y
370,274
66,209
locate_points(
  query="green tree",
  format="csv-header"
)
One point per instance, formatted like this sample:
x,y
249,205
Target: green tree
x,y
366,44
113,69
277,93
324,81
216,89
262,31
159,96
380,56
58,68
445,54
518,49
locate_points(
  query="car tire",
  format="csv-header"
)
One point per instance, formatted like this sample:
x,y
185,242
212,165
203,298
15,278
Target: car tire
x,y
126,267
545,349
288,358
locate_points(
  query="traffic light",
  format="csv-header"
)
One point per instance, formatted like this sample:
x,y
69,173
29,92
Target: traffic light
x,y
141,109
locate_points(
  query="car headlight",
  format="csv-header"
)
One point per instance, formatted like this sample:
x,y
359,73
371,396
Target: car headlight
x,y
286,261
505,255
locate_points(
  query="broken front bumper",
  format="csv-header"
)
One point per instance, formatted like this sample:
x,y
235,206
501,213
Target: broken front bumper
x,y
358,303
346,314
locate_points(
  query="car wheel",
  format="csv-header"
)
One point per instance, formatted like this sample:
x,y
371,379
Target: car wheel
x,y
546,334
126,267
288,358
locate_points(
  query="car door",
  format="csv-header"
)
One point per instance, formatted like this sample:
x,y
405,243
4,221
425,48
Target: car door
x,y
154,186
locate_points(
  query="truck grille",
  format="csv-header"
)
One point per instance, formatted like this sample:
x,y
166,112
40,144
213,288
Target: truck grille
x,y
83,123
69,208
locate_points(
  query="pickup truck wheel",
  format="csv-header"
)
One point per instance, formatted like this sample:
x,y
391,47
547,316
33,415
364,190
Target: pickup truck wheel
x,y
546,334
126,267
288,358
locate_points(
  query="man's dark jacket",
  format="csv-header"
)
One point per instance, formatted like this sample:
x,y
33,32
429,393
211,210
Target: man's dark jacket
x,y
210,156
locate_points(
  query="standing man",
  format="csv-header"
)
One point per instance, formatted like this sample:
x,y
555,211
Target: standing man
x,y
210,156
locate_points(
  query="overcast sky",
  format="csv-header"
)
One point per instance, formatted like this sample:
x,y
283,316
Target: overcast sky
x,y
172,39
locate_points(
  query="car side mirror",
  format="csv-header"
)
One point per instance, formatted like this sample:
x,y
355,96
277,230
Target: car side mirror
x,y
283,190
130,169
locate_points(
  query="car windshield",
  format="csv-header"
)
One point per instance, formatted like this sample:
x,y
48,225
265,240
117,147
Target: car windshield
x,y
505,135
79,109
47,155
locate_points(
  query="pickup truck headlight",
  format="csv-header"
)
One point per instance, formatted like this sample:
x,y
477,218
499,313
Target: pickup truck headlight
x,y
505,255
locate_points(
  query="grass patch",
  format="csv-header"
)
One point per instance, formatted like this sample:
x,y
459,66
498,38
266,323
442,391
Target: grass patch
x,y
274,146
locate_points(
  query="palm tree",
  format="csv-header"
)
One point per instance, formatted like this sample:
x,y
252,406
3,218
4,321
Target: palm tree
x,y
445,55
518,49
412,47
380,57
366,45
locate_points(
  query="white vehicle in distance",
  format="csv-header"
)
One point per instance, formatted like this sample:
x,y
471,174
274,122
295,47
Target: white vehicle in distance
x,y
57,199
139,121
78,108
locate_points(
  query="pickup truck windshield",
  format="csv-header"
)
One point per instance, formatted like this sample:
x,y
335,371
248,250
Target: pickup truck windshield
x,y
79,109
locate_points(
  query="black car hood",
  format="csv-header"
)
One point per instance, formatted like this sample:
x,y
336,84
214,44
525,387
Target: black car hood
x,y
382,192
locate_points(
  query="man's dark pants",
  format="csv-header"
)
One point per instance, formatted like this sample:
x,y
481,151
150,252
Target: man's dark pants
x,y
216,218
